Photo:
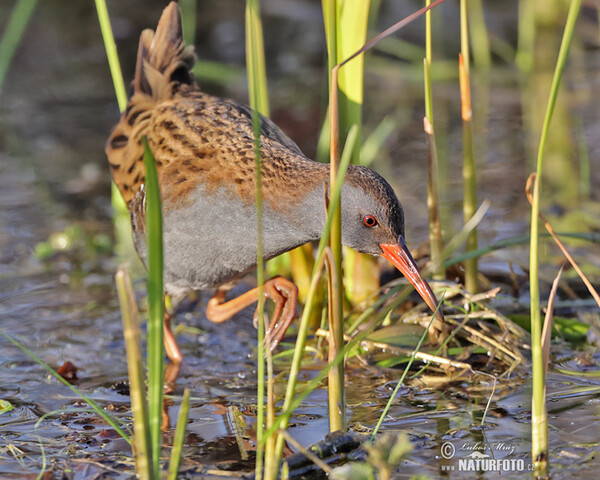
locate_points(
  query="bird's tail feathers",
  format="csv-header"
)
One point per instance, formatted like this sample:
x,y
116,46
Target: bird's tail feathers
x,y
162,58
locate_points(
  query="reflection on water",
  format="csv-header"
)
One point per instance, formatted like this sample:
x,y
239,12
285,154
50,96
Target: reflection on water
x,y
56,109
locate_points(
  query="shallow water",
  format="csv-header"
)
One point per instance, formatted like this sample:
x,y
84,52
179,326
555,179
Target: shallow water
x,y
56,110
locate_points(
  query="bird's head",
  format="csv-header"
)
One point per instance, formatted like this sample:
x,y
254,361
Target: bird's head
x,y
373,222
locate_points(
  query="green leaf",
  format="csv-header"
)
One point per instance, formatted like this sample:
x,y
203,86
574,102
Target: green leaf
x,y
5,406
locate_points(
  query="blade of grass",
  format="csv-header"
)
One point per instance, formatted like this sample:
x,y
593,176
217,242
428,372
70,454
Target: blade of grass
x,y
155,306
547,329
257,88
179,435
13,33
188,20
435,231
539,421
585,184
337,402
122,222
111,54
373,143
527,29
469,178
480,42
331,15
137,388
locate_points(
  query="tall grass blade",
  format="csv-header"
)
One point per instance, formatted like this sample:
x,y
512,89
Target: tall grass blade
x,y
585,182
435,231
122,222
255,59
548,319
539,421
257,88
469,178
337,397
480,42
351,34
179,436
13,33
155,305
111,54
373,143
332,8
526,34
188,20
137,386
435,234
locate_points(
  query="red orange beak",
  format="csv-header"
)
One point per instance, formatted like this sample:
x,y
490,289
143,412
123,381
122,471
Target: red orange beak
x,y
399,256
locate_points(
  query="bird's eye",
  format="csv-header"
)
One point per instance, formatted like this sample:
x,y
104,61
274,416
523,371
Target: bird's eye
x,y
369,220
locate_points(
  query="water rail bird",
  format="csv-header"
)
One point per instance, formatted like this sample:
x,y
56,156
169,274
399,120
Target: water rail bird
x,y
204,151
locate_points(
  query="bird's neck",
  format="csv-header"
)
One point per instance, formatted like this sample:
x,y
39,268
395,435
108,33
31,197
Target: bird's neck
x,y
296,214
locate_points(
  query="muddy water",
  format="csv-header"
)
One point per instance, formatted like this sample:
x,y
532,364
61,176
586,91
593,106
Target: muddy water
x,y
56,110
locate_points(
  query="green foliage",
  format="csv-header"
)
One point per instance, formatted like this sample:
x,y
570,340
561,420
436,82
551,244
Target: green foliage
x,y
155,305
5,406
13,32
539,431
75,242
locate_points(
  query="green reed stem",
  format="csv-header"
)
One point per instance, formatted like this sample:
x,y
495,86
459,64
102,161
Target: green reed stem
x,y
179,436
332,14
336,392
435,231
469,176
257,88
121,219
188,20
255,59
539,420
13,33
527,29
585,183
137,387
155,305
480,42
111,54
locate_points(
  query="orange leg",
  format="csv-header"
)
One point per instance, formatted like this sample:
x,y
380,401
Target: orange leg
x,y
174,354
283,292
